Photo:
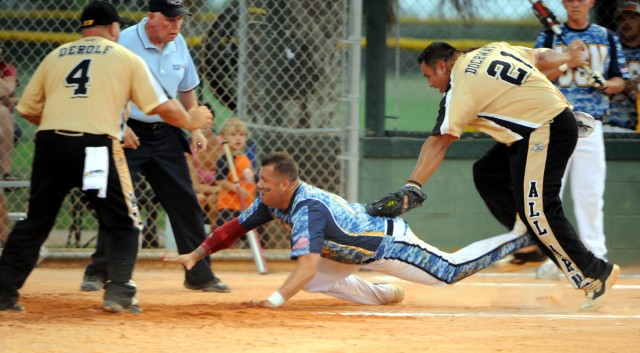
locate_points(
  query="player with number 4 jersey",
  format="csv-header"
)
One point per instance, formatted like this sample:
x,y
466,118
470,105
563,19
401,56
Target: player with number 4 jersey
x,y
77,97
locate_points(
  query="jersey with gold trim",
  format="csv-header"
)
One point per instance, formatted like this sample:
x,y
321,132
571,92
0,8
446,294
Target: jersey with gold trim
x,y
498,90
323,222
87,85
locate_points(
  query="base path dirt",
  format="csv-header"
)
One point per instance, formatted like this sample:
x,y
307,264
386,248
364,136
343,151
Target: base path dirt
x,y
490,312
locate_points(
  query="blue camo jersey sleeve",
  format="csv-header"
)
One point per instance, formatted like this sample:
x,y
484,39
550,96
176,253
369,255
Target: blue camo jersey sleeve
x,y
255,215
322,222
307,234
605,55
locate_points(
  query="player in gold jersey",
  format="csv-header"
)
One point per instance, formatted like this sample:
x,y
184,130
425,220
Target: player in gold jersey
x,y
500,90
78,98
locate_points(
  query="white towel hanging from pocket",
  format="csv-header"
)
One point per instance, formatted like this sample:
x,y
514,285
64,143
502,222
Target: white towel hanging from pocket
x,y
96,169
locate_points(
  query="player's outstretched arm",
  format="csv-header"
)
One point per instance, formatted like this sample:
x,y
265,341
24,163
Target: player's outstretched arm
x,y
186,260
221,238
410,196
301,274
174,114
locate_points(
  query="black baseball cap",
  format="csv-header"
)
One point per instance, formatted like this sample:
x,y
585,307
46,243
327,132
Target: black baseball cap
x,y
169,8
99,13
629,6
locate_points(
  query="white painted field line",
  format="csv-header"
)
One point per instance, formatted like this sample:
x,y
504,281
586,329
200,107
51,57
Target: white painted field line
x,y
518,274
520,284
615,286
484,314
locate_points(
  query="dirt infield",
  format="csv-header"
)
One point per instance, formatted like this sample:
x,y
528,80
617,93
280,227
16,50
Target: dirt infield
x,y
490,312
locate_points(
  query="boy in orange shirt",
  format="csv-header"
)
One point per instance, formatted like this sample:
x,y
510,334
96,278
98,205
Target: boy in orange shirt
x,y
230,203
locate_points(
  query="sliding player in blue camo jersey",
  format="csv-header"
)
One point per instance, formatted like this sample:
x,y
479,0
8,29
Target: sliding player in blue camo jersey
x,y
331,239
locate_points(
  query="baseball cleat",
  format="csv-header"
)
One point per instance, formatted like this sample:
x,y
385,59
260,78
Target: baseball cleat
x,y
92,283
548,271
518,261
597,291
113,307
214,285
13,307
399,294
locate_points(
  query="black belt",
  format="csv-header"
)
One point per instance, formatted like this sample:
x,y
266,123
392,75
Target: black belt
x,y
143,125
389,227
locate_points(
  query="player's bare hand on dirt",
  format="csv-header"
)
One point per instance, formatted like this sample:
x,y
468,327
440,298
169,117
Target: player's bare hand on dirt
x,y
259,304
186,260
131,140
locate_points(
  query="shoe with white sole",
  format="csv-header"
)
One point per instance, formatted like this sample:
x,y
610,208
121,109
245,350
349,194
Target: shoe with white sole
x,y
598,291
548,271
113,307
530,256
398,292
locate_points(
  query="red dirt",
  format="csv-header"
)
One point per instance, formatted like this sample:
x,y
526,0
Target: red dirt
x,y
485,313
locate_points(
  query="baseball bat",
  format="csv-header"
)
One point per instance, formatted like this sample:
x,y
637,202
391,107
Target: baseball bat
x,y
550,22
252,237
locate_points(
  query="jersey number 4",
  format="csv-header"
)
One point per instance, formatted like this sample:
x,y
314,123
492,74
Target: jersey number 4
x,y
79,79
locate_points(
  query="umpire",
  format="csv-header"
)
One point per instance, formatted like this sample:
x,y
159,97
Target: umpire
x,y
156,149
77,97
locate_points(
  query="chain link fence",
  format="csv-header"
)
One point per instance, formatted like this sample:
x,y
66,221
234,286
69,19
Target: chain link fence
x,y
413,24
279,66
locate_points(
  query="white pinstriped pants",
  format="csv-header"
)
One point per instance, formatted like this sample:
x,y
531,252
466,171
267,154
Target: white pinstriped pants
x,y
586,171
338,279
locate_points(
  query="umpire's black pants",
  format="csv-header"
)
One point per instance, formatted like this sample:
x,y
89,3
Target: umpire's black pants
x,y
58,166
160,158
525,177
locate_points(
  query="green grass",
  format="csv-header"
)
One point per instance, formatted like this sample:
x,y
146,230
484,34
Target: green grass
x,y
410,99
417,103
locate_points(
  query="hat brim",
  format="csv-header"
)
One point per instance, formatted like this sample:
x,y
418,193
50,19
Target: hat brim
x,y
175,12
621,12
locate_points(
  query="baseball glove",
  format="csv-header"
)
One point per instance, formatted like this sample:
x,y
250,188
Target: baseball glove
x,y
392,205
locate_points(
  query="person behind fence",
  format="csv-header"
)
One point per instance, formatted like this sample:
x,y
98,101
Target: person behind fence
x,y
8,85
202,165
156,150
587,92
233,197
624,112
331,239
500,90
77,97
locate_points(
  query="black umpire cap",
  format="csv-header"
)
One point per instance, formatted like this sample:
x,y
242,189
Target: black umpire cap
x,y
99,13
169,8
